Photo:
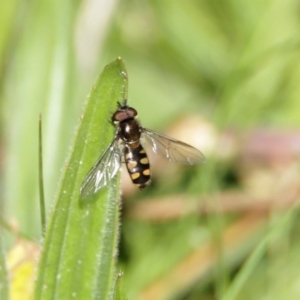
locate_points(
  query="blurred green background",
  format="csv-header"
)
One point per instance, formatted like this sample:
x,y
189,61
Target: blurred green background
x,y
233,67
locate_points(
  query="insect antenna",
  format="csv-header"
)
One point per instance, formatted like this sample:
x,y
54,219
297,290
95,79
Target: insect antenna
x,y
120,104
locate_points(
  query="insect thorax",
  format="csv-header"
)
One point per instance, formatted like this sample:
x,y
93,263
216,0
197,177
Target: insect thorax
x,y
129,130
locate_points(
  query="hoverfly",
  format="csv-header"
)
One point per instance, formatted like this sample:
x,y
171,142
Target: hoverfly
x,y
128,142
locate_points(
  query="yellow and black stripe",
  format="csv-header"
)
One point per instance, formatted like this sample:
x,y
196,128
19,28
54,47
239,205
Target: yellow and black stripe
x,y
138,166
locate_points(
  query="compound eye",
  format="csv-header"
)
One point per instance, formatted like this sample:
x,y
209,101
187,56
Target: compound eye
x,y
123,114
131,112
119,116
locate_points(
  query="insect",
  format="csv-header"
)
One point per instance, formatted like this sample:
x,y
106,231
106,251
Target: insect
x,y
128,146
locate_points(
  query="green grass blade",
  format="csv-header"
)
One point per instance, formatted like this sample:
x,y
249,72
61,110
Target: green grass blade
x,y
280,229
79,255
3,275
41,179
119,292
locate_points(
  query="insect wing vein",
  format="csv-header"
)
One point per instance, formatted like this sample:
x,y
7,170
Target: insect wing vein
x,y
103,171
171,149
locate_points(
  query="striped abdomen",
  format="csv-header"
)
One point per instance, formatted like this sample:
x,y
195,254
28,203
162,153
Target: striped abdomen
x,y
138,166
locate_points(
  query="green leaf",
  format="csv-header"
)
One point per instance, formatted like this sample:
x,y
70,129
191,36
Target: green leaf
x,y
80,249
3,274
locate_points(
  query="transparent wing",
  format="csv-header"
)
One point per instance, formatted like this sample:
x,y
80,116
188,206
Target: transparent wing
x,y
103,171
171,149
